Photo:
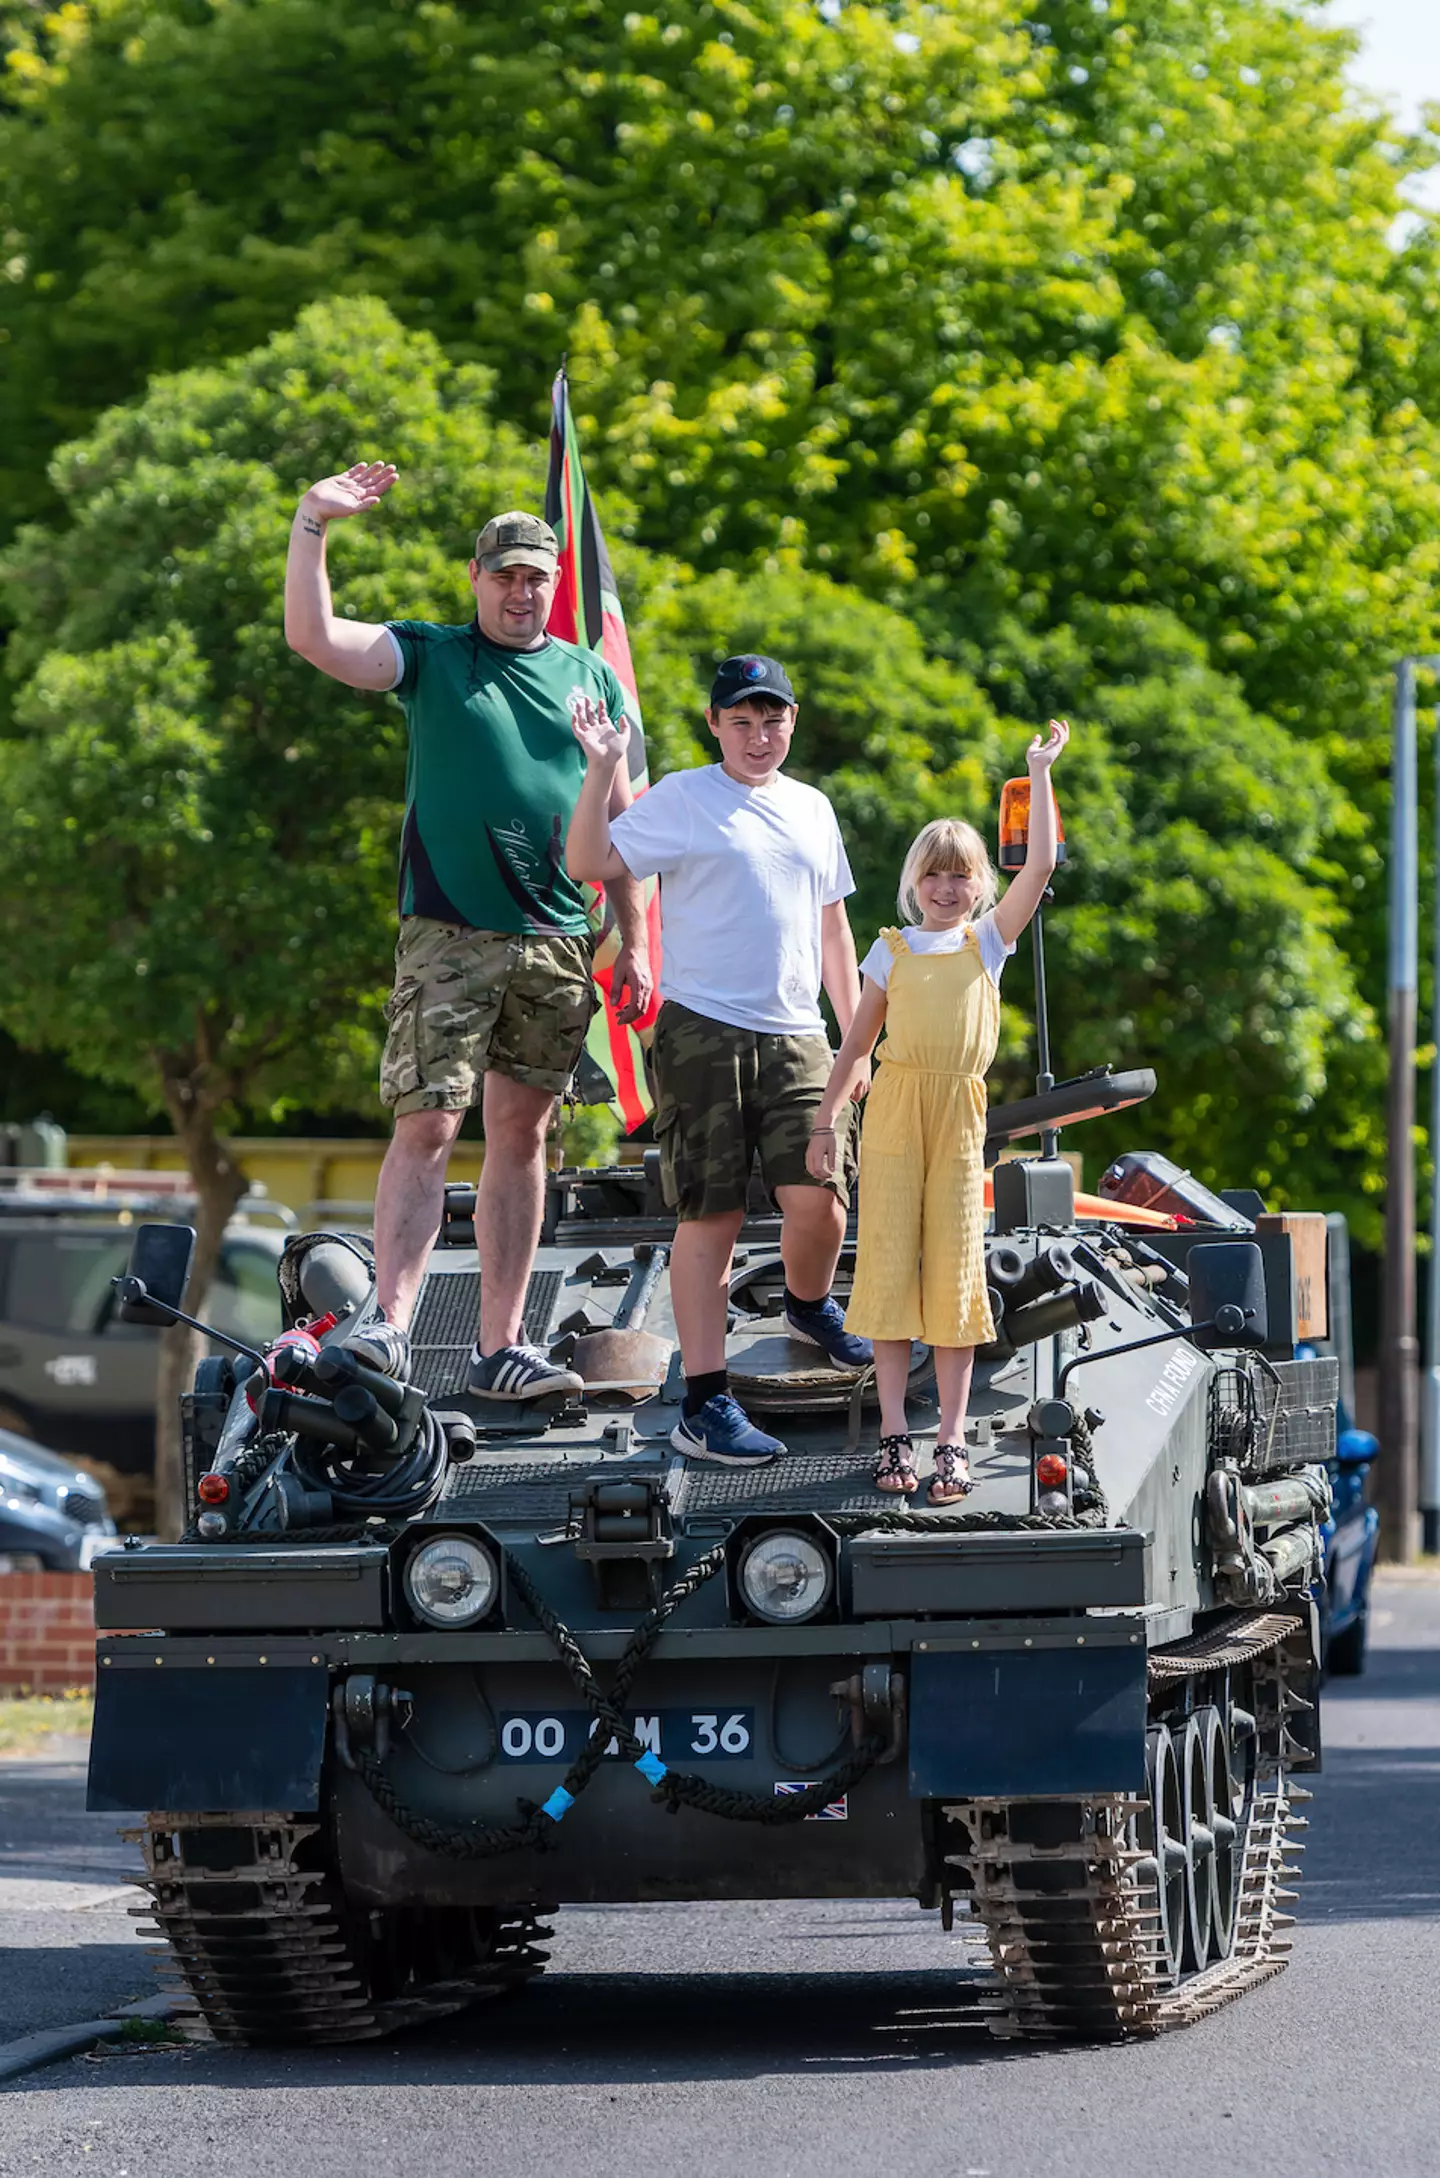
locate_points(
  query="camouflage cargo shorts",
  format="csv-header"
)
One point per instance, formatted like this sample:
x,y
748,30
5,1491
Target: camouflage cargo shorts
x,y
723,1093
471,1002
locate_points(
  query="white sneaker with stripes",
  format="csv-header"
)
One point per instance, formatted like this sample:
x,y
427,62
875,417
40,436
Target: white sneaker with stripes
x,y
519,1372
383,1346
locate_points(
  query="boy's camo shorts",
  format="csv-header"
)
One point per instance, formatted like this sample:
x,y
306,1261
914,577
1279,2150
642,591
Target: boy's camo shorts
x,y
471,1002
723,1093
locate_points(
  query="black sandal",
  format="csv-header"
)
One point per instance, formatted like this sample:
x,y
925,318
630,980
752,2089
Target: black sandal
x,y
895,1468
950,1485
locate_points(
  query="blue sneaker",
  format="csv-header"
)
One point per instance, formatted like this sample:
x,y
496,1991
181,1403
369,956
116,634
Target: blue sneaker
x,y
723,1432
822,1324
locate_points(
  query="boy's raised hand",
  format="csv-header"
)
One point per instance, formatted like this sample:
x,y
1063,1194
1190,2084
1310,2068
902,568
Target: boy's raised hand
x,y
1042,752
603,743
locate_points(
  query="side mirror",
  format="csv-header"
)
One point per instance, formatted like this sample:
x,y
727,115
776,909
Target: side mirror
x,y
1356,1448
1227,1294
153,1287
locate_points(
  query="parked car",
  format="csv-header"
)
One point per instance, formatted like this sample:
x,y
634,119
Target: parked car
x,y
71,1374
1350,1537
52,1515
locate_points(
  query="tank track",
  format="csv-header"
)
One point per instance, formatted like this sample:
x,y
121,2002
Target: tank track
x,y
260,1947
1067,1894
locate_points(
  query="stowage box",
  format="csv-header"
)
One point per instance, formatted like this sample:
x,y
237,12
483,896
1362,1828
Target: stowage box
x,y
243,1589
963,1575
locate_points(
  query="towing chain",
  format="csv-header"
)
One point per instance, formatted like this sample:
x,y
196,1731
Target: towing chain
x,y
982,1522
535,1830
672,1789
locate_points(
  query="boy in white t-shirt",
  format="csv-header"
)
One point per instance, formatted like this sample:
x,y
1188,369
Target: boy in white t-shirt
x,y
753,880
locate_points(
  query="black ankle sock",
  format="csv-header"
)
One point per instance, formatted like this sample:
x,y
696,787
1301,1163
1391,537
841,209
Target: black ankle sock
x,y
793,1301
700,1388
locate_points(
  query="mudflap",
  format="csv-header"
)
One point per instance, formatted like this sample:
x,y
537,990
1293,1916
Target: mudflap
x,y
192,1741
1012,1723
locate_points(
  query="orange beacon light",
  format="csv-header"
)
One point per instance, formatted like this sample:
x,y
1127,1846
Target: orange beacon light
x,y
1015,825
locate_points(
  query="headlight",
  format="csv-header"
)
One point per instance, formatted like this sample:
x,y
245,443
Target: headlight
x,y
20,1493
452,1581
785,1578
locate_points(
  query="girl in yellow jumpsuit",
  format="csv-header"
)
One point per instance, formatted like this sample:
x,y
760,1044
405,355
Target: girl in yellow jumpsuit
x,y
934,988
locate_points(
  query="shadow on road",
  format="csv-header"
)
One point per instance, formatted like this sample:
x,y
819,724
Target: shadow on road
x,y
1393,1675
617,2030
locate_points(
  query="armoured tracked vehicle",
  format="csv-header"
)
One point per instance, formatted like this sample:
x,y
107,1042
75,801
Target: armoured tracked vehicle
x,y
427,1668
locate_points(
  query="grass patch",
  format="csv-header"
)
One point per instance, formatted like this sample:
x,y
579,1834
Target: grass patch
x,y
28,1720
148,2031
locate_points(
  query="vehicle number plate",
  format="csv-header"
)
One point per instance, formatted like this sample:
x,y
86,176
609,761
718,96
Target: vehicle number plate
x,y
677,1736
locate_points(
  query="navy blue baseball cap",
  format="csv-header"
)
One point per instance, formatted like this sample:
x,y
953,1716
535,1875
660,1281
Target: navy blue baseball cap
x,y
749,676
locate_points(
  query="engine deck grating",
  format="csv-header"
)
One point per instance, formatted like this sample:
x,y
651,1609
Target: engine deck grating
x,y
443,1331
823,1482
530,1490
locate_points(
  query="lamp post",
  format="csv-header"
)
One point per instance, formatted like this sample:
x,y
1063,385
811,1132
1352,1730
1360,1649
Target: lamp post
x,y
1397,1479
1429,1492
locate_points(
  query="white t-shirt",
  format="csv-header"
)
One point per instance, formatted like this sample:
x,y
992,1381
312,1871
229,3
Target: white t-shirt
x,y
994,952
744,873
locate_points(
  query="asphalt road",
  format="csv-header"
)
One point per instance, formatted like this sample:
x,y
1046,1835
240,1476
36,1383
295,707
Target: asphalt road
x,y
797,2041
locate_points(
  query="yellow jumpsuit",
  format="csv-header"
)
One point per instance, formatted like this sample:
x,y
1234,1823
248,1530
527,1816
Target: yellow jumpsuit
x,y
920,1254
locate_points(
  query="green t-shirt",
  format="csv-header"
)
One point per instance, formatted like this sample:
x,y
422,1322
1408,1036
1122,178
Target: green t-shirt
x,y
493,776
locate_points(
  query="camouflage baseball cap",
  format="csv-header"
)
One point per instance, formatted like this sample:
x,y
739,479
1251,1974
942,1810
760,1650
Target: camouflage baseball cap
x,y
517,540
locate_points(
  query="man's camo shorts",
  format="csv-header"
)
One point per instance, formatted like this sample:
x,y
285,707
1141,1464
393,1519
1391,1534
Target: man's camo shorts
x,y
721,1095
471,1002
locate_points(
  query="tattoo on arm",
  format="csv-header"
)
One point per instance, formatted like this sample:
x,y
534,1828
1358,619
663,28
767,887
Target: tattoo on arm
x,y
312,528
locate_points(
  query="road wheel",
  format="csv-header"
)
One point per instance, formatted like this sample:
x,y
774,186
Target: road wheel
x,y
1159,1833
1227,1802
1199,1839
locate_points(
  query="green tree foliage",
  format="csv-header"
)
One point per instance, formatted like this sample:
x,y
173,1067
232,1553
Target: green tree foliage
x,y
197,832
220,820
1039,325
1194,928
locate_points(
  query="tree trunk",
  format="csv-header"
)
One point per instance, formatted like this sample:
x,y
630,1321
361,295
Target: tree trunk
x,y
219,1184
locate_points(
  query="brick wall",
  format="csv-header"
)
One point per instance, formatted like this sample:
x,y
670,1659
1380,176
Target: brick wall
x,y
47,1632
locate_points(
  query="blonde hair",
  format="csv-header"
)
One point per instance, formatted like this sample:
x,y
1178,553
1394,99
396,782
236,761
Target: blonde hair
x,y
946,844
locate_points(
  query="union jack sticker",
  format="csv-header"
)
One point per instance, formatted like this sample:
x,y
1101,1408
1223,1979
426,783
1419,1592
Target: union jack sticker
x,y
834,1811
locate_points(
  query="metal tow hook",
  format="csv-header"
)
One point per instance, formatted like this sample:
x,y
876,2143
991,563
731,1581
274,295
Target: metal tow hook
x,y
365,1708
876,1696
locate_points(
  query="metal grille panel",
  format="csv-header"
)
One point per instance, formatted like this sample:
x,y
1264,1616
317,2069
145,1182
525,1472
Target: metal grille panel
x,y
87,1506
835,1482
1244,1424
444,1328
529,1490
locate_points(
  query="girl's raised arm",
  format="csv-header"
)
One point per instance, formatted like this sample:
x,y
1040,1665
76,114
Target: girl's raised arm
x,y
856,1045
1014,913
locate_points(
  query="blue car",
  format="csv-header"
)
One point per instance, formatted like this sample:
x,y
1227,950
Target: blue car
x,y
1349,1538
53,1517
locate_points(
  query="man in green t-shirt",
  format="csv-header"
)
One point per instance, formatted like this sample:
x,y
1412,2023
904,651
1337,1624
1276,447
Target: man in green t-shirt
x,y
493,991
